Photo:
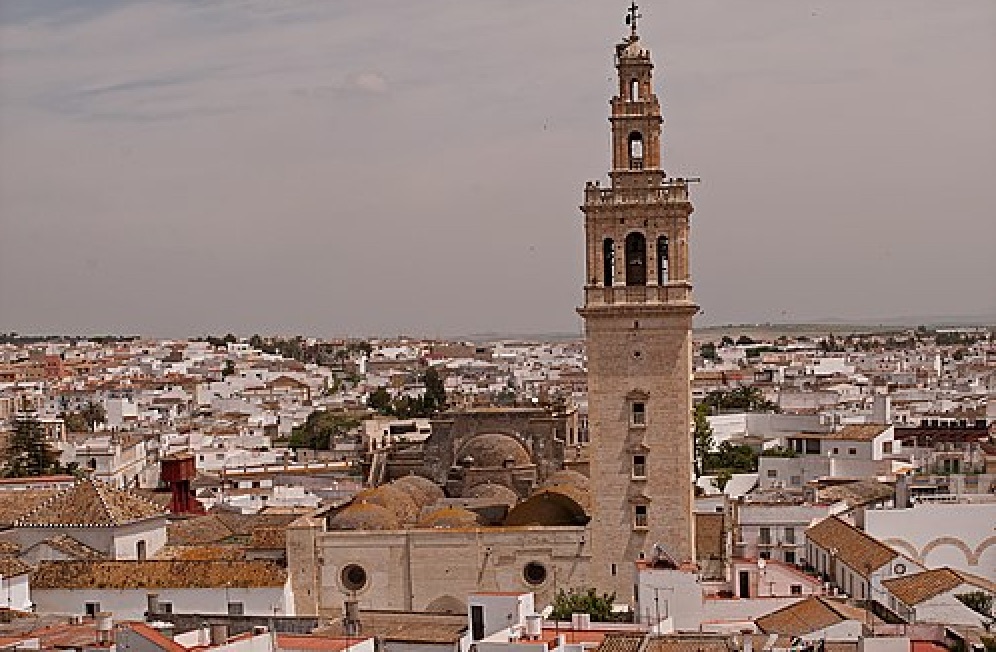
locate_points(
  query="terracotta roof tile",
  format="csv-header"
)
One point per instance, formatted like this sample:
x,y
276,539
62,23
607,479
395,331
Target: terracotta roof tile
x,y
199,530
201,553
914,589
15,504
807,616
858,432
695,643
161,574
90,503
268,538
73,548
620,642
12,567
404,626
861,552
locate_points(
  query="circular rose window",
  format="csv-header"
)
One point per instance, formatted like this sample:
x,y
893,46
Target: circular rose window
x,y
354,577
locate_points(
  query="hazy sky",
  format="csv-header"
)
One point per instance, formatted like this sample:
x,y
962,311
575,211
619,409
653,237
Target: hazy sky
x,y
330,167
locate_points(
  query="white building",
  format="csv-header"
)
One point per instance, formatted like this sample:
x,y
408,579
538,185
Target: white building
x,y
853,561
932,597
15,594
114,523
238,588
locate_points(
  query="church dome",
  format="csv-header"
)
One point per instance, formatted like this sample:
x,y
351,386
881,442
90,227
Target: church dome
x,y
492,451
568,477
395,499
364,516
449,516
422,490
497,493
560,505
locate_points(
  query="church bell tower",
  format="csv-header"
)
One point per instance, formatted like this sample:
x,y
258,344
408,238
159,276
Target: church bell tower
x,y
638,311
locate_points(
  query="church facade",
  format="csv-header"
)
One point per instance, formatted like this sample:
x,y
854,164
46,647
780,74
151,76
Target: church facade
x,y
407,546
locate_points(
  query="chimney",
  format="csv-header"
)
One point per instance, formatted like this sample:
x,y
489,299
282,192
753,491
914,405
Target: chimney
x,y
219,633
351,618
152,606
105,625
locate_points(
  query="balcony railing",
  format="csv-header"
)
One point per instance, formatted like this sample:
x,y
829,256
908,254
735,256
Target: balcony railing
x,y
671,192
622,294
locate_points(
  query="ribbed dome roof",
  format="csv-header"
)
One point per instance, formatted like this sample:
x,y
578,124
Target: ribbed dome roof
x,y
491,450
422,490
397,500
449,516
498,493
569,477
364,516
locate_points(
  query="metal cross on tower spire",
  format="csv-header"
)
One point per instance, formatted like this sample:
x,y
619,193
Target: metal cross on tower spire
x,y
632,16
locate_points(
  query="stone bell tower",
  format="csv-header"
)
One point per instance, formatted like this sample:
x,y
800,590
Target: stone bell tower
x,y
638,312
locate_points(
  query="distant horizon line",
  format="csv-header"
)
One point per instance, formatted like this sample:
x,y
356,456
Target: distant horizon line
x,y
832,324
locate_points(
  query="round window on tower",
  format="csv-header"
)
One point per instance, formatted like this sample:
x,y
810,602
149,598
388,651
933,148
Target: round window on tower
x,y
534,573
354,577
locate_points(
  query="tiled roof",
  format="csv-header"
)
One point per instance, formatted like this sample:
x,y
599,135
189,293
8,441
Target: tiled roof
x,y
9,548
620,642
914,589
12,567
694,643
404,626
157,638
201,553
199,530
157,574
268,538
90,503
860,552
15,504
807,616
73,548
287,642
860,432
857,493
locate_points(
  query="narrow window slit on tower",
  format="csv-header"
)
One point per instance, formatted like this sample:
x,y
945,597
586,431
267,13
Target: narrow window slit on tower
x,y
608,262
634,90
662,262
636,151
636,259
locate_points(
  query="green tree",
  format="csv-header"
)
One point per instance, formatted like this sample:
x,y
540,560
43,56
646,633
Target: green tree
x,y
321,429
28,452
704,441
738,458
980,602
75,422
708,351
229,369
746,399
586,601
93,413
380,400
745,340
727,341
779,451
723,478
435,391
